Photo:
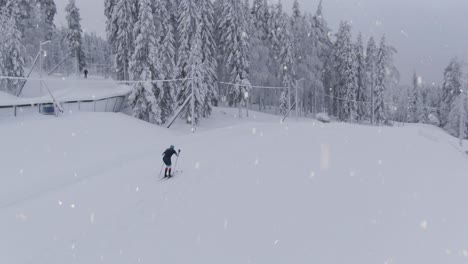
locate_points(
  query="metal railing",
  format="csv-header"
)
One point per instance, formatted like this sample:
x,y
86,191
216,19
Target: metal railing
x,y
111,104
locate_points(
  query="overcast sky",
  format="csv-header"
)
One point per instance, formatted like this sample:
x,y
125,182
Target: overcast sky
x,y
427,33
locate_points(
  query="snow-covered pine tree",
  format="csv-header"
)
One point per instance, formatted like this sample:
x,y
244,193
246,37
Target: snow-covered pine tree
x,y
20,11
260,14
362,81
456,124
324,46
307,63
74,34
346,68
144,66
208,53
287,64
48,11
381,83
417,112
322,34
190,58
234,42
297,31
167,56
111,27
371,68
421,108
260,54
276,26
450,89
11,50
124,17
413,95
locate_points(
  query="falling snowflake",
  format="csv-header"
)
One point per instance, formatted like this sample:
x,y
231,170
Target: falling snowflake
x,y
22,217
424,225
312,175
325,157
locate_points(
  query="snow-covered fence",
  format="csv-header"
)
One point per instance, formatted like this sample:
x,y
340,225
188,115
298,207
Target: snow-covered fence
x,y
110,104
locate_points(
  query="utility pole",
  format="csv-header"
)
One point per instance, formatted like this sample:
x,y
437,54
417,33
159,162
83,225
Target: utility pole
x,y
40,68
193,100
297,100
289,97
462,118
77,64
297,96
315,100
41,54
372,95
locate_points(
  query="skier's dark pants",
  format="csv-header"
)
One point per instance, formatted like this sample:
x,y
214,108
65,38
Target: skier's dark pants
x,y
168,163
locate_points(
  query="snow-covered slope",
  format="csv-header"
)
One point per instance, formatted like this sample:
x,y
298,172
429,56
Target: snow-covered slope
x,y
84,188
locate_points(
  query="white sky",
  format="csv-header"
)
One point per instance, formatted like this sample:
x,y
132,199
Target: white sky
x,y
427,33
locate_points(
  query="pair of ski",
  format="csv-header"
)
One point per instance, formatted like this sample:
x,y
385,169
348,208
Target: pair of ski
x,y
165,178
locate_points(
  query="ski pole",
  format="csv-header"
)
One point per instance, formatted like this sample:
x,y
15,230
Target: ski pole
x,y
162,166
175,165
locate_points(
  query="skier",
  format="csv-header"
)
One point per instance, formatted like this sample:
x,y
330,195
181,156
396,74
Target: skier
x,y
167,155
86,73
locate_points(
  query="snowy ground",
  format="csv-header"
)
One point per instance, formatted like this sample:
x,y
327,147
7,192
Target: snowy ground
x,y
84,189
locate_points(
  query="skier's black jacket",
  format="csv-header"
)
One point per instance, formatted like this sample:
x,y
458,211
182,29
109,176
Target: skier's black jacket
x,y
168,155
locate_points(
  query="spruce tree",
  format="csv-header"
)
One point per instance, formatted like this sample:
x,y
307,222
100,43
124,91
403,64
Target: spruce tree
x,y
144,66
362,81
346,68
167,56
124,17
450,89
371,68
74,34
48,11
413,97
208,53
381,83
234,42
191,57
11,51
456,124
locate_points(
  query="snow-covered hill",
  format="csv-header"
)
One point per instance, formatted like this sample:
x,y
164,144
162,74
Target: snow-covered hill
x,y
84,188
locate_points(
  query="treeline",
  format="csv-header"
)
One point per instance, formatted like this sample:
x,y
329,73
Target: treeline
x,y
229,45
444,106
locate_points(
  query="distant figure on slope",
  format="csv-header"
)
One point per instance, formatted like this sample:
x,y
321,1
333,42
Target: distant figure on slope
x,y
167,158
86,73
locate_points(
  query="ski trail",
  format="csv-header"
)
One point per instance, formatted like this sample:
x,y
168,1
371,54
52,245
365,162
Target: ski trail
x,y
88,173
